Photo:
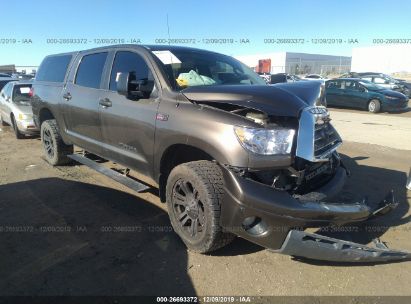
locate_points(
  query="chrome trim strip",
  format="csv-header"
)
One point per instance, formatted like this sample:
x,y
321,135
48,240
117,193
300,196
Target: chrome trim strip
x,y
306,134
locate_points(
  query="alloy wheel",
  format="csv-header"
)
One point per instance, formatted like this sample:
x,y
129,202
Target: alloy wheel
x,y
48,143
188,209
371,106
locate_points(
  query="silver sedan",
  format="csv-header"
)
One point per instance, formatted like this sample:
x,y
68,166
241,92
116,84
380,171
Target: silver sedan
x,y
15,108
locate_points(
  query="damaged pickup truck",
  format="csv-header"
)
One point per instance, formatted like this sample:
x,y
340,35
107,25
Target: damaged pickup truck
x,y
230,155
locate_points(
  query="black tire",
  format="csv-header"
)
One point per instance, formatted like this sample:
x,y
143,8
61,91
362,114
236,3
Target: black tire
x,y
196,190
374,106
16,130
55,150
2,122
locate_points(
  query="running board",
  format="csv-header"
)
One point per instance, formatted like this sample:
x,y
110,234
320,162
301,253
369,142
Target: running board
x,y
118,177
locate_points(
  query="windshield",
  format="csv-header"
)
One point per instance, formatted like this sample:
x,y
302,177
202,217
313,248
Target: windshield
x,y
371,86
21,94
186,68
390,79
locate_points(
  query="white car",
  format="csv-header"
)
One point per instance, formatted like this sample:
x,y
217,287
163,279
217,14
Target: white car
x,y
15,108
315,77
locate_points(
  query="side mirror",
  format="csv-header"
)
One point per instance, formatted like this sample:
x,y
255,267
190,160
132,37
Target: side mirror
x,y
7,98
362,89
122,84
129,86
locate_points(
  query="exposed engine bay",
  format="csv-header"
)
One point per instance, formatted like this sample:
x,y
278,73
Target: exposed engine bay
x,y
292,174
304,175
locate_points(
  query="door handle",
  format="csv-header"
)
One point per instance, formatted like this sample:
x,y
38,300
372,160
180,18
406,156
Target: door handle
x,y
105,102
67,96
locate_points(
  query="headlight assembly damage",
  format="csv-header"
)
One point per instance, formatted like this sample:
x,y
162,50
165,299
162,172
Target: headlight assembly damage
x,y
266,141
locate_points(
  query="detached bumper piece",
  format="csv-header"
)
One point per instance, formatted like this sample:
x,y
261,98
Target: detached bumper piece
x,y
386,205
317,247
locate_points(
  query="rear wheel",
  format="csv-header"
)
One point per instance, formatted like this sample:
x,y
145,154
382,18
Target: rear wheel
x,y
194,194
55,150
17,132
374,106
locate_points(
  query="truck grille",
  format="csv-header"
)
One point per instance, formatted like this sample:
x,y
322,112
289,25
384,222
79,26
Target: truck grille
x,y
317,139
325,138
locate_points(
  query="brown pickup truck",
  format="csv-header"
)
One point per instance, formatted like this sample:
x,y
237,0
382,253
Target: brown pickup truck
x,y
230,155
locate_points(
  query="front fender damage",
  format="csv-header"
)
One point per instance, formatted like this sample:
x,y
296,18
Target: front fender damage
x,y
314,246
276,220
319,247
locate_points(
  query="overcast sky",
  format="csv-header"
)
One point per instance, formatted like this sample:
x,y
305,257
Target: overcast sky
x,y
34,29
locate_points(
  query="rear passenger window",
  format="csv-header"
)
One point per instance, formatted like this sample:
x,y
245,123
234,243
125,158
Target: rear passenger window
x,y
334,85
126,62
90,71
3,84
53,68
350,85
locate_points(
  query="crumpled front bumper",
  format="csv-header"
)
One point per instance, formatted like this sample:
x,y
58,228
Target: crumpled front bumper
x,y
318,247
27,126
274,219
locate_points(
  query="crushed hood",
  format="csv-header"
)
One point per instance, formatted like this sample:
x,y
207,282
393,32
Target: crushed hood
x,y
285,99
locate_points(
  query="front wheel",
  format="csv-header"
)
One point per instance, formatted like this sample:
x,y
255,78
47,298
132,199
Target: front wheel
x,y
55,150
17,132
374,106
194,194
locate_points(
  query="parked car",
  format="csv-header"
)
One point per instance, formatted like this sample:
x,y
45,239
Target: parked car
x,y
230,154
316,77
265,76
283,77
383,80
23,76
15,108
313,77
363,94
5,80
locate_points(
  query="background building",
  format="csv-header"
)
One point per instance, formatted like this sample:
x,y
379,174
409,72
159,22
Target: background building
x,y
11,69
300,63
383,59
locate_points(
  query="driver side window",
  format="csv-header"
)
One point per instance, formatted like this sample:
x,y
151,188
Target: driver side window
x,y
126,62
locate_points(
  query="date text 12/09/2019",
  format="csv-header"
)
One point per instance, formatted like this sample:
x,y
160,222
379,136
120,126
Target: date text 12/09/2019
x,y
205,299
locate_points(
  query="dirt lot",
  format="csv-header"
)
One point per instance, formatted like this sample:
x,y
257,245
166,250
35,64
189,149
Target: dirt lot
x,y
91,254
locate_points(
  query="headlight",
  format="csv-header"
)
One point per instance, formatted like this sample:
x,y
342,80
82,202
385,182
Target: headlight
x,y
266,141
391,97
25,116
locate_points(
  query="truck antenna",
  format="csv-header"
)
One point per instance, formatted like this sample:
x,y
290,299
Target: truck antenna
x,y
168,31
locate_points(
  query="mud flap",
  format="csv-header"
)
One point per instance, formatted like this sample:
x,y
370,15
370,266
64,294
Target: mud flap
x,y
318,247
